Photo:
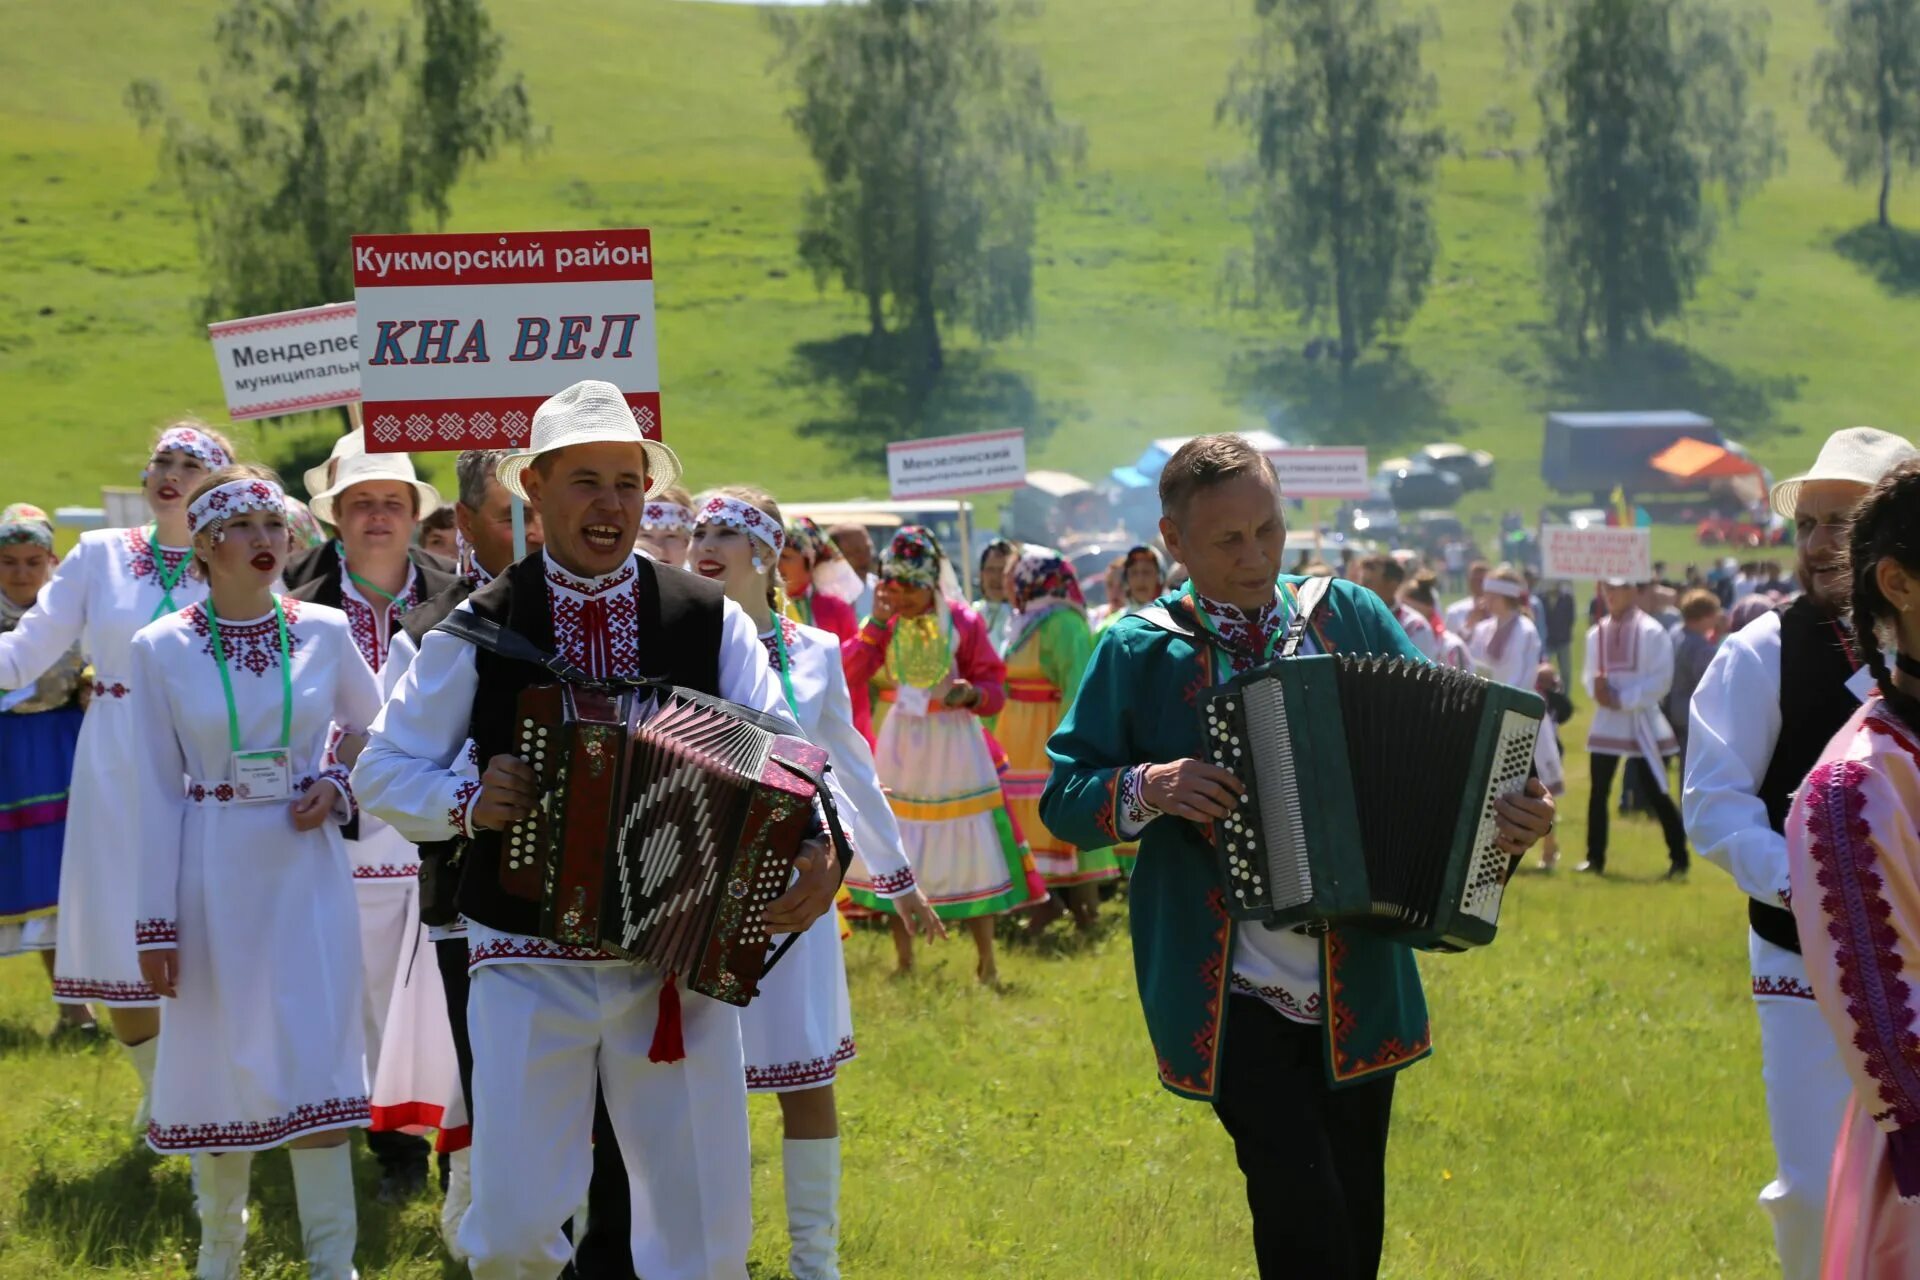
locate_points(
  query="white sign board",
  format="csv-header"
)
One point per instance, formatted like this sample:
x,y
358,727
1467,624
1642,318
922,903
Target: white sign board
x,y
953,465
1338,471
289,362
1600,552
465,335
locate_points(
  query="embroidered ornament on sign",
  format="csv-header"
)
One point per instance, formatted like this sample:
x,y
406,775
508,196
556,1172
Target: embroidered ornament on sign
x,y
463,336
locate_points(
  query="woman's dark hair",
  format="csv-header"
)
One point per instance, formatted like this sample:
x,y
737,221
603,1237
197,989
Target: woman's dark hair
x,y
997,547
1886,523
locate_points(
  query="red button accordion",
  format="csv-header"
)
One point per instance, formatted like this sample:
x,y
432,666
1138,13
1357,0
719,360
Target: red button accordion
x,y
668,820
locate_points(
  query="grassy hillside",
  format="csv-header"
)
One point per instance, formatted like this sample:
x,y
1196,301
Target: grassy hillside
x,y
664,113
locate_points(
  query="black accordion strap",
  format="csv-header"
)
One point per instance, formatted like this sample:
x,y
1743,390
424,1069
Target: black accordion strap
x,y
483,633
1311,594
1166,620
843,851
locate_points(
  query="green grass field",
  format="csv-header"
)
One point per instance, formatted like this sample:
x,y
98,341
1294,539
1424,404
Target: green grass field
x,y
664,113
1593,1109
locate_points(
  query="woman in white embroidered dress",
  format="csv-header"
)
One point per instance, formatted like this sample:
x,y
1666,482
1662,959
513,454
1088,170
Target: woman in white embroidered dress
x,y
247,917
114,583
1506,649
800,1028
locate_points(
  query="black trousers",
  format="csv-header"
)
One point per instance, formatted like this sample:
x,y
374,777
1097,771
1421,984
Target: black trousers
x,y
1603,769
606,1251
1315,1157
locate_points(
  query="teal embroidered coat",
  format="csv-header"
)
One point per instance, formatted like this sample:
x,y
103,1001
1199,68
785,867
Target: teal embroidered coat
x,y
1139,705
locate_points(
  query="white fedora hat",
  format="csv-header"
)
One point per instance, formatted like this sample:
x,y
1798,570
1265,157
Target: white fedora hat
x,y
349,445
588,412
357,467
1859,454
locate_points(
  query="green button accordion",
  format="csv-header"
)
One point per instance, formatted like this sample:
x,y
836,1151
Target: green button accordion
x,y
1370,785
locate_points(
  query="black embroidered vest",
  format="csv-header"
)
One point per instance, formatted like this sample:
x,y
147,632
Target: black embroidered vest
x,y
681,618
1815,703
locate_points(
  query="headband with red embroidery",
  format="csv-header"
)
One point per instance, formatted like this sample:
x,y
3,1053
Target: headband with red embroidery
x,y
211,510
193,443
666,515
731,513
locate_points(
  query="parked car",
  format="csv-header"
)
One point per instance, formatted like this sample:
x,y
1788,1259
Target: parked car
x,y
1374,517
1472,467
1419,484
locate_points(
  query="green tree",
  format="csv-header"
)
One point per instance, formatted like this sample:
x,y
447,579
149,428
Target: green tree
x,y
933,137
1335,100
1866,90
1646,109
315,132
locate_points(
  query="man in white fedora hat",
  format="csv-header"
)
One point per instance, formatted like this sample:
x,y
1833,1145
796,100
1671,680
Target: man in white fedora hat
x,y
373,573
547,1020
1773,695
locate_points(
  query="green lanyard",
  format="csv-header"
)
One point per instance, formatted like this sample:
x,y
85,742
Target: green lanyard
x,y
1200,612
226,680
805,604
786,674
364,585
167,580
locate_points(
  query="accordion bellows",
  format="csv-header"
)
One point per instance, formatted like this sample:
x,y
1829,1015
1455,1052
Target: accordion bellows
x,y
1370,785
667,822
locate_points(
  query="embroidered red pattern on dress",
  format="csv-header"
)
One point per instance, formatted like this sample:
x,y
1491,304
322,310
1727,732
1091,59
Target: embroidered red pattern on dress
x,y
388,871
154,932
71,990
523,948
597,627
1852,898
791,633
792,1075
1341,1021
462,801
140,558
1281,999
114,690
334,1113
1212,973
1764,985
252,646
887,884
366,629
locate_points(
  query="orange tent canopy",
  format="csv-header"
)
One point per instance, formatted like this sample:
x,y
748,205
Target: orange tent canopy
x,y
1691,459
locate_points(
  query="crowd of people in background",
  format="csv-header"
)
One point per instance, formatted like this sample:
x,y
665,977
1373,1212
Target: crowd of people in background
x,y
314,939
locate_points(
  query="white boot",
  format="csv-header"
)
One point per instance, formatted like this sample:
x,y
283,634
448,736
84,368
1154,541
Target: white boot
x,y
220,1194
329,1226
459,1197
813,1206
143,1056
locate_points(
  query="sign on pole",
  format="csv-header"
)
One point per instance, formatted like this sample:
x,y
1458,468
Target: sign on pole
x,y
1337,471
288,362
951,466
1597,552
462,336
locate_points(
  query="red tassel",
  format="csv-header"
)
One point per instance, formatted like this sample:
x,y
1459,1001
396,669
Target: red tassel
x,y
668,1044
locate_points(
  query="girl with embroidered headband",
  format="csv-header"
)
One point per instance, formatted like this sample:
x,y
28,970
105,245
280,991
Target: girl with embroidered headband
x,y
800,1028
1506,649
247,923
39,728
938,674
666,527
1047,654
111,585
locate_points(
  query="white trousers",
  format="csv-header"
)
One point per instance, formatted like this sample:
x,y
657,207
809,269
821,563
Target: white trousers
x,y
1807,1096
540,1033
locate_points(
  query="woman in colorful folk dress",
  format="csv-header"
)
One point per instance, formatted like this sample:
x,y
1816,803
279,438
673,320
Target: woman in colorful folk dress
x,y
993,606
247,920
114,583
1853,841
1046,656
39,729
799,1029
938,674
666,527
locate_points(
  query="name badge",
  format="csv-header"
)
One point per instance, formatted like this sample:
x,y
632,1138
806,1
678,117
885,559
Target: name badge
x,y
262,776
1861,685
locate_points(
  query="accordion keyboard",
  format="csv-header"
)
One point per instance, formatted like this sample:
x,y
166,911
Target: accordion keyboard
x,y
1487,869
1265,840
522,840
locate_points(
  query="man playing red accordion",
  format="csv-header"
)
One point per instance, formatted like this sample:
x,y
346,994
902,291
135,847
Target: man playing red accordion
x,y
547,1019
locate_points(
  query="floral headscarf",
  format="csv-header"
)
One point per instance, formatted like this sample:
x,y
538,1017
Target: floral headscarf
x,y
913,557
24,522
1041,580
303,528
828,570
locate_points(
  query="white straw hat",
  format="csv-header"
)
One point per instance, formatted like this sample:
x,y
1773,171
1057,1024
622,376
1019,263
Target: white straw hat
x,y
358,467
349,445
588,412
1859,454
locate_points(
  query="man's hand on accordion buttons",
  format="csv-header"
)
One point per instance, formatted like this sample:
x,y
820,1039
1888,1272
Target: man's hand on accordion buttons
x,y
509,790
1523,818
812,892
1191,789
